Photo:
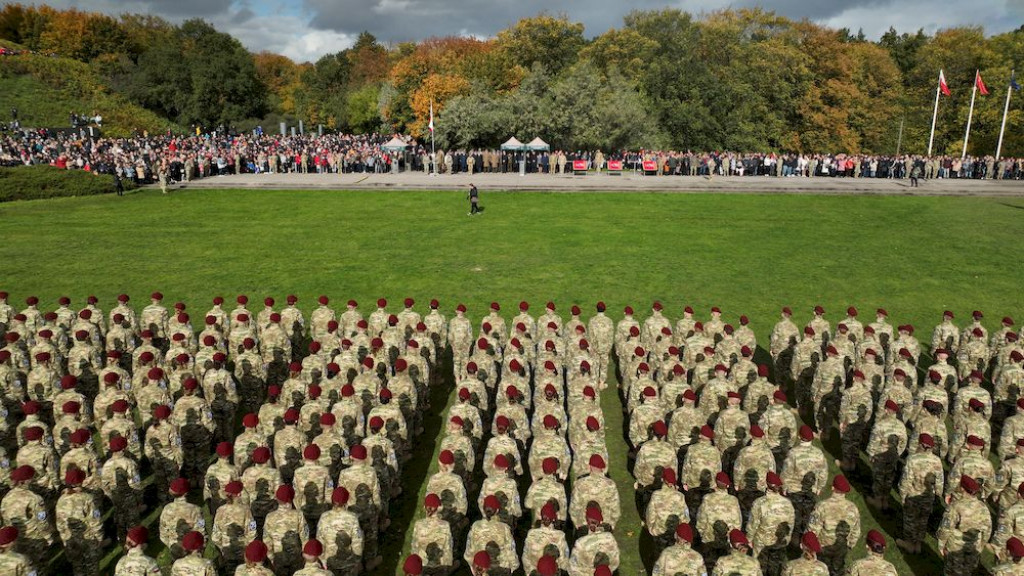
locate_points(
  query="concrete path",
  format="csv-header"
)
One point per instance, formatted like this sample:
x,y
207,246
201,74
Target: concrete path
x,y
627,182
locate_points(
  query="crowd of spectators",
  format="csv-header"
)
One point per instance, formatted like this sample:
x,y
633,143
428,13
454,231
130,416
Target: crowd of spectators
x,y
141,158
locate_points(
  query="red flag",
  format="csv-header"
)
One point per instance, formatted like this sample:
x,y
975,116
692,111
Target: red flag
x,y
980,83
942,84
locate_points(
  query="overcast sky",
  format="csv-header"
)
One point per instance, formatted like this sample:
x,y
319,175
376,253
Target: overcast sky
x,y
307,29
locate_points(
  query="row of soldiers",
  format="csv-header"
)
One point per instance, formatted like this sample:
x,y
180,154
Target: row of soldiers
x,y
546,341
869,385
324,436
539,426
712,411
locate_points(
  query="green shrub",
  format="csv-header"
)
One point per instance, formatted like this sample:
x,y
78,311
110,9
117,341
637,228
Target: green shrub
x,y
39,182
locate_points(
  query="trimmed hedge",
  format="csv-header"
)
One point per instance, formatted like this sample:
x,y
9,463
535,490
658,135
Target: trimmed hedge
x,y
39,182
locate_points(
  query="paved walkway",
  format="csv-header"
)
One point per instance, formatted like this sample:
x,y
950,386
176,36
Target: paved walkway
x,y
627,182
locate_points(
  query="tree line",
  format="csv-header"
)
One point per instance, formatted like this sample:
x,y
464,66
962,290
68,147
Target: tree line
x,y
730,80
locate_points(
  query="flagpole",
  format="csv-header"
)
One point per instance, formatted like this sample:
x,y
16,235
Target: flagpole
x,y
1006,109
970,114
935,115
433,158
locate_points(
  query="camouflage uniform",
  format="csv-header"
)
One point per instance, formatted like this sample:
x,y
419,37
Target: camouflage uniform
x,y
886,446
873,565
666,510
804,474
193,565
780,429
738,562
28,512
545,540
233,528
594,488
136,563
680,560
194,420
591,551
285,532
836,522
362,483
921,484
178,518
719,514
855,410
805,567
1010,524
432,541
965,529
123,487
339,532
260,481
770,528
494,536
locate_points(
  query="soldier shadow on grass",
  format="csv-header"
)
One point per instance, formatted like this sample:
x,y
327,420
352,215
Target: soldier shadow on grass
x,y
403,508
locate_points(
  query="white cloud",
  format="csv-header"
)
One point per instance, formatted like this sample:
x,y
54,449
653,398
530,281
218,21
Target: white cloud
x,y
287,35
307,29
995,16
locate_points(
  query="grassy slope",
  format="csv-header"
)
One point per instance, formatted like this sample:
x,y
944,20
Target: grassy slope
x,y
45,90
747,254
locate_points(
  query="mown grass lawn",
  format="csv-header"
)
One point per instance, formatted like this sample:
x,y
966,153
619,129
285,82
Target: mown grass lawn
x,y
748,254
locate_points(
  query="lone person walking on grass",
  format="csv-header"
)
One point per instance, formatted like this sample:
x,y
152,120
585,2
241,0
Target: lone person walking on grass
x,y
474,200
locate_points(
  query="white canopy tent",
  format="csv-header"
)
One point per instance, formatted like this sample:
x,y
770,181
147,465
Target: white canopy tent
x,y
397,146
538,144
513,144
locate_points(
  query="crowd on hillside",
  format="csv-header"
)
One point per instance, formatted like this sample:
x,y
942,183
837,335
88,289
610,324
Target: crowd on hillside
x,y
143,158
131,411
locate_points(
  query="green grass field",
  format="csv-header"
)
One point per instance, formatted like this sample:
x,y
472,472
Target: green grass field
x,y
748,254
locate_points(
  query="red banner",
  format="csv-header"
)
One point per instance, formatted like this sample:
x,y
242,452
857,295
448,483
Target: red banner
x,y
650,166
579,165
615,165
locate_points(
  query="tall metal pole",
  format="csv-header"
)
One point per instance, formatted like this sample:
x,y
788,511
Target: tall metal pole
x,y
433,157
899,139
935,114
970,114
1006,109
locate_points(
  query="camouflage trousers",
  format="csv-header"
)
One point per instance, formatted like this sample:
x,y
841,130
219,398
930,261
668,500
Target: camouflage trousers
x,y
369,521
287,562
772,559
826,410
916,511
694,497
164,471
852,440
231,556
961,562
195,447
252,392
729,457
224,422
802,391
38,552
83,555
747,498
344,563
834,557
126,510
883,475
803,505
782,365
